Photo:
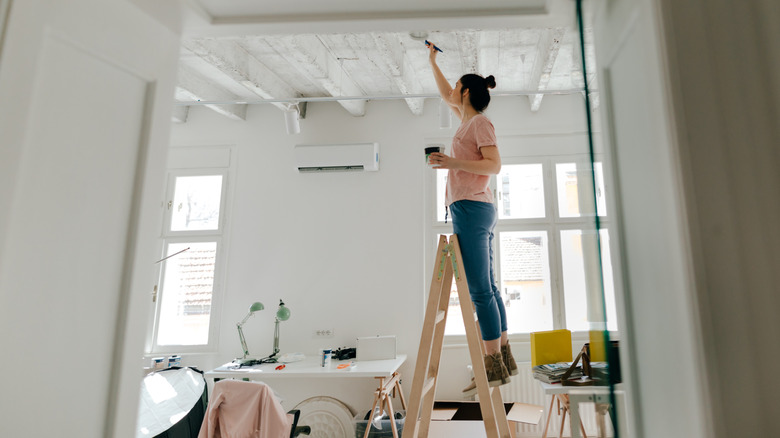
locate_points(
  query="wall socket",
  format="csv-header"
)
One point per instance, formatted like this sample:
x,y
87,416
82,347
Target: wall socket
x,y
323,333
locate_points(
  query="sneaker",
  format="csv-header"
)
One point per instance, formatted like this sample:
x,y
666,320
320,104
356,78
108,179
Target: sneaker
x,y
497,374
509,360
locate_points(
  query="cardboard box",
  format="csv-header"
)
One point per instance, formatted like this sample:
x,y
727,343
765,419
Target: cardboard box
x,y
454,419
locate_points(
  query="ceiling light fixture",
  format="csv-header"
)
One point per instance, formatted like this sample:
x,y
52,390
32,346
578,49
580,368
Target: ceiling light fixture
x,y
418,35
291,119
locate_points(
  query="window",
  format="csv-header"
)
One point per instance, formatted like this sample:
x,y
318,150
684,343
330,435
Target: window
x,y
185,304
542,243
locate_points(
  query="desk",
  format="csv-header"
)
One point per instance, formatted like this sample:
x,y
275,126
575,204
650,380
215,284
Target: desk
x,y
571,396
561,394
385,371
309,367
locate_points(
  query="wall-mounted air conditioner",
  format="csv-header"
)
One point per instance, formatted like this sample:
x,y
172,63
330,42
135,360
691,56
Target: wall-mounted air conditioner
x,y
337,157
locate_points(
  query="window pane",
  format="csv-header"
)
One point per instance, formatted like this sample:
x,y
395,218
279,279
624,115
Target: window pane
x,y
186,294
441,188
568,198
196,202
574,281
525,281
521,191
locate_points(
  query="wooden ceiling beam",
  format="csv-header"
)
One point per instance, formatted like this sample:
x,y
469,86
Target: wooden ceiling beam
x,y
230,58
312,58
390,53
547,52
468,42
193,86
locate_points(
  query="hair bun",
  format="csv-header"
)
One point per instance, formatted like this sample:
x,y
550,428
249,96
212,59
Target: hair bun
x,y
491,81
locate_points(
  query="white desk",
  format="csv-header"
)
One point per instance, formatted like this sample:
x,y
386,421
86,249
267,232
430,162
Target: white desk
x,y
571,396
309,367
386,371
561,394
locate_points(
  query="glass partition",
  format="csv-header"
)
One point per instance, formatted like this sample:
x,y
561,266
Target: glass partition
x,y
587,254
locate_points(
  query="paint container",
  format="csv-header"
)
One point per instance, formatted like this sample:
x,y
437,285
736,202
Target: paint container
x,y
429,149
158,363
174,361
325,357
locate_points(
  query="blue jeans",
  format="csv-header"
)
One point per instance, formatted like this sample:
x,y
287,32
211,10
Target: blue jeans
x,y
474,222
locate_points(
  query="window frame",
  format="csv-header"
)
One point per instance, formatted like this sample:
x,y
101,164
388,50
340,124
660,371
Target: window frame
x,y
552,224
225,168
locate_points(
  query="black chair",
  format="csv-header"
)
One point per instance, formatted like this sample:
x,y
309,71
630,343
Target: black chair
x,y
298,430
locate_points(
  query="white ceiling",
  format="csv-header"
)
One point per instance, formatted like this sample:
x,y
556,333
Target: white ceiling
x,y
237,51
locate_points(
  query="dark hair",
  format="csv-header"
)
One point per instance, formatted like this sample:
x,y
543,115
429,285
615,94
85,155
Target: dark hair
x,y
478,89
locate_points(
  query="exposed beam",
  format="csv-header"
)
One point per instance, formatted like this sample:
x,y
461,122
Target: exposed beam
x,y
193,86
238,64
548,48
312,58
299,100
390,53
179,114
469,51
489,56
577,67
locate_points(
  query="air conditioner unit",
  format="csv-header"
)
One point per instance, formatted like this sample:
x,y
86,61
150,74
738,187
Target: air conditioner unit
x,y
337,157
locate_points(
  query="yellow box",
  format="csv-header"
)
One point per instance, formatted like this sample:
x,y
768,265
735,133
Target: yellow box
x,y
550,347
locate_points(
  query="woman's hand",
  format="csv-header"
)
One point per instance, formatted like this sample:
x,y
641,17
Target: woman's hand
x,y
489,164
441,161
432,52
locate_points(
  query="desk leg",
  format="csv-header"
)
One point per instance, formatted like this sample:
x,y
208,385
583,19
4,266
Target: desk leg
x,y
574,416
400,392
390,412
574,412
549,415
371,414
563,421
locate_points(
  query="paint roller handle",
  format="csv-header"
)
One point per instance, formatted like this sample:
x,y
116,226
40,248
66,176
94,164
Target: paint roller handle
x,y
427,43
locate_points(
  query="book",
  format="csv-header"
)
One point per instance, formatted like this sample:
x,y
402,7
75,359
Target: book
x,y
553,372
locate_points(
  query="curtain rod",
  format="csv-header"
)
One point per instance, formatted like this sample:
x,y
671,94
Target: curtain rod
x,y
294,100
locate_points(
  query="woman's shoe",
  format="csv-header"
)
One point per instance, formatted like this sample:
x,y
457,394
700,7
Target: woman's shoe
x,y
497,374
509,360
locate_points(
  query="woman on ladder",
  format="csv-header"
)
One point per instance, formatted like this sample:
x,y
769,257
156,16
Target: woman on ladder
x,y
470,202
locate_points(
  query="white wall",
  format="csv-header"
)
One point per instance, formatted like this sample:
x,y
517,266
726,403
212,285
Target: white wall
x,y
345,251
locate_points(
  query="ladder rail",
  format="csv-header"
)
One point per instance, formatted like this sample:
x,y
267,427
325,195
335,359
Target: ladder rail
x,y
493,416
446,266
421,369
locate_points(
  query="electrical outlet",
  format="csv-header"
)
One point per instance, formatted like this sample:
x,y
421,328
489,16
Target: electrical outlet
x,y
323,333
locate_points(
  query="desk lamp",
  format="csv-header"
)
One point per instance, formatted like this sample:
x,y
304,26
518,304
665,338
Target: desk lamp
x,y
282,314
256,306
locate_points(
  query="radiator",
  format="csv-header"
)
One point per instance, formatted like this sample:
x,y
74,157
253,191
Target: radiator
x,y
525,389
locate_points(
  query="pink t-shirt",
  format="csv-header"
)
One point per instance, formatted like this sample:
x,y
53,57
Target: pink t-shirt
x,y
469,138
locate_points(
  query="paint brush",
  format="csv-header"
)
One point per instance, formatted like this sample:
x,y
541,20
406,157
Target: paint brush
x,y
436,48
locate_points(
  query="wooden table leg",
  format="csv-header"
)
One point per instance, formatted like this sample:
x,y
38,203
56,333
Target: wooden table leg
x,y
549,414
371,413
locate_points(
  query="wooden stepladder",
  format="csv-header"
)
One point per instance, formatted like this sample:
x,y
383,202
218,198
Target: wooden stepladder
x,y
418,416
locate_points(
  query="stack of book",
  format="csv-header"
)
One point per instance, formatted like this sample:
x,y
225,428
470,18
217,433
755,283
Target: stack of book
x,y
552,373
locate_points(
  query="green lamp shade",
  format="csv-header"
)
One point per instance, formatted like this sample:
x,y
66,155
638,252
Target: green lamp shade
x,y
256,306
283,313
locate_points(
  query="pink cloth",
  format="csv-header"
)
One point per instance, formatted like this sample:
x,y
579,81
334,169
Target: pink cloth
x,y
469,138
240,409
